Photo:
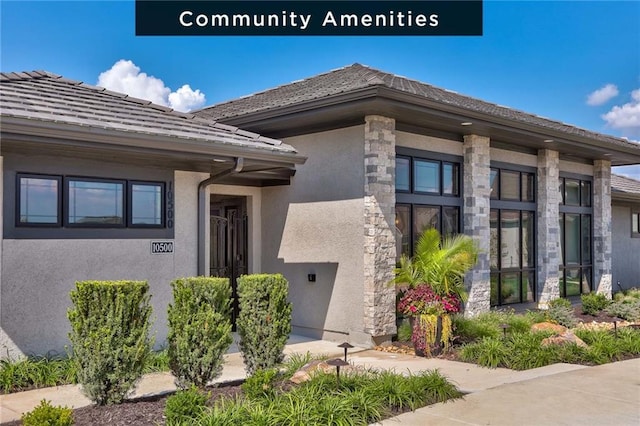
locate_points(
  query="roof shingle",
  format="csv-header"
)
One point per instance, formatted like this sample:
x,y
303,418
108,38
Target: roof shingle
x,y
44,96
626,185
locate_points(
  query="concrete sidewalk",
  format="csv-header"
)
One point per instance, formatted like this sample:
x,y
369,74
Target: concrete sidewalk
x,y
559,394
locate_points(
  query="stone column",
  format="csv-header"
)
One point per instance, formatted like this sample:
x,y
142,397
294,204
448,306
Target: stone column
x,y
476,194
602,227
379,227
548,214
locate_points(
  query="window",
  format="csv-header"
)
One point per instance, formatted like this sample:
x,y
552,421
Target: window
x,y
635,224
512,236
576,245
427,195
146,204
88,202
95,202
38,200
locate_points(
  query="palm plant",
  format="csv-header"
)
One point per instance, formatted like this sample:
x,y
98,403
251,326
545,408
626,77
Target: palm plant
x,y
439,262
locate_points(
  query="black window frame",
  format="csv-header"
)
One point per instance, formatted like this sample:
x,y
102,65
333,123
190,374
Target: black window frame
x,y
18,198
521,204
68,224
439,200
129,200
583,209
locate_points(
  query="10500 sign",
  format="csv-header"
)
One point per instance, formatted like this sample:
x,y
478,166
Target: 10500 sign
x,y
161,247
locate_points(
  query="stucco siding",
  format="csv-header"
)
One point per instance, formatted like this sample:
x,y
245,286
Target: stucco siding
x,y
625,259
38,274
577,168
315,225
428,143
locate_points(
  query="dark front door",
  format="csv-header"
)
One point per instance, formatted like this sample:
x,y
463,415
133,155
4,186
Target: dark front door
x,y
228,257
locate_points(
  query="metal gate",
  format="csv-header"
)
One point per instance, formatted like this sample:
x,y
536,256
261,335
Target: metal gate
x,y
229,246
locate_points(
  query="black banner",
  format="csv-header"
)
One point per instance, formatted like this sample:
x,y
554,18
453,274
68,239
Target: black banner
x,y
268,18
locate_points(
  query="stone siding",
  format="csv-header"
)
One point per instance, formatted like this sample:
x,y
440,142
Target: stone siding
x,y
548,202
602,227
476,194
379,226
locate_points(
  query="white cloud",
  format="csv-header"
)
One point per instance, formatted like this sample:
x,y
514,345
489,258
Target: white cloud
x,y
124,76
602,95
629,171
626,117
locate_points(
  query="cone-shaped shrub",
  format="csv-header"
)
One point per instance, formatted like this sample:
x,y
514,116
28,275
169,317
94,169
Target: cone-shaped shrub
x,y
109,336
199,329
264,322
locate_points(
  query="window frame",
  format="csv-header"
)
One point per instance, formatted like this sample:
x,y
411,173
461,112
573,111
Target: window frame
x,y
18,198
129,199
66,206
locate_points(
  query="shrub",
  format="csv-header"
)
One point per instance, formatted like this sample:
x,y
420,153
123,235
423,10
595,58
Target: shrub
x,y
46,414
488,352
404,332
561,312
260,384
109,336
625,308
264,322
24,373
199,329
592,303
185,405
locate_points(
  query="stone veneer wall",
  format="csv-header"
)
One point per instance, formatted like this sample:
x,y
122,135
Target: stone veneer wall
x,y
602,226
379,226
476,194
548,235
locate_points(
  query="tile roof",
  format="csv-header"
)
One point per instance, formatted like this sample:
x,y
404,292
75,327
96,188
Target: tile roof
x,y
357,76
626,185
47,97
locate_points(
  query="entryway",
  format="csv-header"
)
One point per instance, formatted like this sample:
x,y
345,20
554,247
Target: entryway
x,y
228,243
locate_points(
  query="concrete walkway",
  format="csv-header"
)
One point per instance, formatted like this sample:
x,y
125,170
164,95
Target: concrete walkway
x,y
559,394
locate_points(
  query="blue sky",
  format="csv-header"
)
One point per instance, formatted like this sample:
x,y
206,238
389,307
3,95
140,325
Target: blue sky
x,y
543,57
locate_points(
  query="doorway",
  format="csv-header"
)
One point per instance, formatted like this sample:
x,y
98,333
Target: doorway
x,y
228,252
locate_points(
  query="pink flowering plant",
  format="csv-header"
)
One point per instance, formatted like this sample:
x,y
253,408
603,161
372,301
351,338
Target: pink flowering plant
x,y
422,300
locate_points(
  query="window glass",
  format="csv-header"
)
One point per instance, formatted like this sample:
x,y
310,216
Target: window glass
x,y
586,280
528,285
403,236
509,185
38,200
493,246
561,190
450,220
427,176
96,202
509,239
528,187
493,182
572,192
425,217
572,238
146,204
528,240
510,287
494,289
572,283
561,239
586,194
586,239
635,223
450,179
403,167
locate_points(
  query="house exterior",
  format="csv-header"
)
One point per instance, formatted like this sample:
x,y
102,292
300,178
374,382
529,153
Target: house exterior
x,y
625,231
329,181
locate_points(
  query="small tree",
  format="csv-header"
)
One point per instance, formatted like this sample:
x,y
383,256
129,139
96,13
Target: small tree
x,y
109,336
199,329
264,322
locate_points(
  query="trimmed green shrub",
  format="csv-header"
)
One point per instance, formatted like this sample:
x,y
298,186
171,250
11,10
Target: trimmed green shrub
x,y
627,308
185,405
592,303
199,329
109,336
561,312
260,384
264,322
46,414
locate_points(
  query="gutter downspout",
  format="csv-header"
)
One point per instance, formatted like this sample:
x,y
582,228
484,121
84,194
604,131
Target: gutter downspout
x,y
203,210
